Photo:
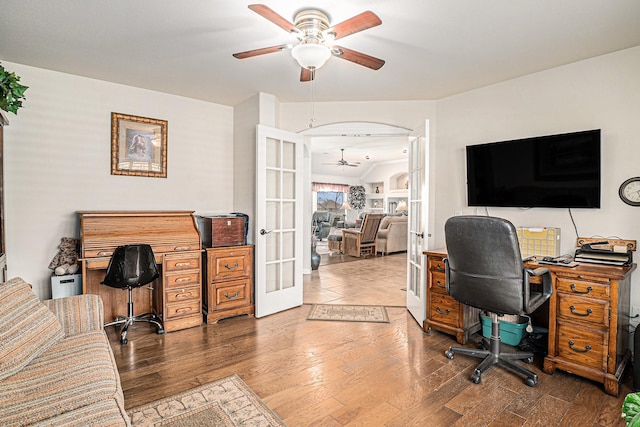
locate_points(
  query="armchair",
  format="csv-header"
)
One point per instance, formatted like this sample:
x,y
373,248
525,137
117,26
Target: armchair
x,y
362,242
321,222
484,269
392,234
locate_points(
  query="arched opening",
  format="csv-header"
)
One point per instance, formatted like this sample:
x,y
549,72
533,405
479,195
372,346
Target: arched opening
x,y
373,155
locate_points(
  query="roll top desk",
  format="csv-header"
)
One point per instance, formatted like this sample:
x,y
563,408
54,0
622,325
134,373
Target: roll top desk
x,y
176,297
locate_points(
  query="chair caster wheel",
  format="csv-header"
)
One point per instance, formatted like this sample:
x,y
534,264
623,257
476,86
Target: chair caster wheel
x,y
124,341
476,378
160,331
531,382
480,345
449,354
528,360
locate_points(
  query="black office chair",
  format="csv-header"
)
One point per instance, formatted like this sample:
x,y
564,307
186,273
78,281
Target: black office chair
x,y
132,266
484,269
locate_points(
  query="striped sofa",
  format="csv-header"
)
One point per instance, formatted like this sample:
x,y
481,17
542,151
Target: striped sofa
x,y
56,364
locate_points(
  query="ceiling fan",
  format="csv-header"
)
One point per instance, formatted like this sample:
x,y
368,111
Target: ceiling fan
x,y
343,162
316,36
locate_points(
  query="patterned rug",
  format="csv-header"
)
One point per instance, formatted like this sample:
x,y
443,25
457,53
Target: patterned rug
x,y
349,313
224,402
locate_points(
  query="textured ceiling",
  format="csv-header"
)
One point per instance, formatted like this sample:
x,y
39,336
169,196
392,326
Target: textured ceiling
x,y
432,48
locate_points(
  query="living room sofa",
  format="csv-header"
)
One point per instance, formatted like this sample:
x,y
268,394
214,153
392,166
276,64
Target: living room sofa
x,y
56,364
392,234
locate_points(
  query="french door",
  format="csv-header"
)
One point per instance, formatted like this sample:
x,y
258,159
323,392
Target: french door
x,y
418,221
279,210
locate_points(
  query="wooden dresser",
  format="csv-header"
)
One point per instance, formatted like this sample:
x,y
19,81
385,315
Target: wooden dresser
x,y
589,323
444,313
228,290
175,239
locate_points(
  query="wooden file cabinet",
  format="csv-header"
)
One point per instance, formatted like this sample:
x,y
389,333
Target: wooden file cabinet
x,y
228,290
179,301
444,313
589,323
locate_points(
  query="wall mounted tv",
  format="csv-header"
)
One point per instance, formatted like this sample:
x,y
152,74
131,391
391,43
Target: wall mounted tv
x,y
554,171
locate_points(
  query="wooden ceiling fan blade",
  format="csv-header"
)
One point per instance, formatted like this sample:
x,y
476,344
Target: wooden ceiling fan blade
x,y
269,14
261,51
307,75
358,57
358,23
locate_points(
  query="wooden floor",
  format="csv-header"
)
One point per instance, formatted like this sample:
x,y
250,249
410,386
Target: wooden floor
x,y
318,373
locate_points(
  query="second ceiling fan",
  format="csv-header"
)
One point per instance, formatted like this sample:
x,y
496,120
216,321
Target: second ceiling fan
x,y
316,36
343,162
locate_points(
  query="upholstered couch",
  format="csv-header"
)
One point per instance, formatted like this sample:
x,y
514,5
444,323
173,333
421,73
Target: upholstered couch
x,y
392,234
56,364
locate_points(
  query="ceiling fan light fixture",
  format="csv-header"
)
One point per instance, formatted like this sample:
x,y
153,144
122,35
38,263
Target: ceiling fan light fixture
x,y
311,55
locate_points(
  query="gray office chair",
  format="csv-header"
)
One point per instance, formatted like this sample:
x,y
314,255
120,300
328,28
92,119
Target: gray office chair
x,y
484,269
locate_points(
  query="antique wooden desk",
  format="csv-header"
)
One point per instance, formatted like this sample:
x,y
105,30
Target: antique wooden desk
x,y
588,318
177,295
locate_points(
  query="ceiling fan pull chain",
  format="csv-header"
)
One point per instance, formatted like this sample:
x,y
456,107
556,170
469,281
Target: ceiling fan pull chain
x,y
313,108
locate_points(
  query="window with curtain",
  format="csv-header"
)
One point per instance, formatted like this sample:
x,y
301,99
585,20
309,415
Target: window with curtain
x,y
329,196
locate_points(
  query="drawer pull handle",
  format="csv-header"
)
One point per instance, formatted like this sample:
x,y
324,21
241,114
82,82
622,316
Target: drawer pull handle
x,y
573,311
573,289
234,296
102,253
440,285
182,279
183,310
235,266
183,295
182,248
586,349
439,267
443,313
183,264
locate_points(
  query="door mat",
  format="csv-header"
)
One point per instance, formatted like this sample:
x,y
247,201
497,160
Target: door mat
x,y
225,402
349,313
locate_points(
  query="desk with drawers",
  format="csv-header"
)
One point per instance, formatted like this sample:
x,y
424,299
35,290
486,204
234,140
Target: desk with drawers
x,y
588,318
176,297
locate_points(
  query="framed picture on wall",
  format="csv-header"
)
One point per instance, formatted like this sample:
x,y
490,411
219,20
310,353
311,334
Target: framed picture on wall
x,y
138,146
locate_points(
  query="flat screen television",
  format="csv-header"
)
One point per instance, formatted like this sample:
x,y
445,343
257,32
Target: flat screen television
x,y
553,171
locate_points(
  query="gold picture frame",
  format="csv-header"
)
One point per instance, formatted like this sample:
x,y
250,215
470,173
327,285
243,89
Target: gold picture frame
x,y
138,146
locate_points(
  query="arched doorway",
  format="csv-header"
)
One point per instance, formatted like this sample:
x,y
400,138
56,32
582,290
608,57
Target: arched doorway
x,y
380,152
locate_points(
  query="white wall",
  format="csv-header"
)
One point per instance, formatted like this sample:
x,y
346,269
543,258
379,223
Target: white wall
x,y
599,93
45,184
57,161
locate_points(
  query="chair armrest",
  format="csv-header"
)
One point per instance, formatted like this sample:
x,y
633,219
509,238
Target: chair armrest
x,y
382,234
534,300
78,314
538,271
349,231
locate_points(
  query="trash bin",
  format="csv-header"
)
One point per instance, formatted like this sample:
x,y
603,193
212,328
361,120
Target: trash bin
x,y
66,286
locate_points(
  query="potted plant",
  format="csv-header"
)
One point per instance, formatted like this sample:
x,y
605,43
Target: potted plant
x,y
11,91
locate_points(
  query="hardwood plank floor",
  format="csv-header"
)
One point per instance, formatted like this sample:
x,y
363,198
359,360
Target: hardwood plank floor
x,y
317,373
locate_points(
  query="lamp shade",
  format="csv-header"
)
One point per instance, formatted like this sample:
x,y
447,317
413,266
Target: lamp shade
x,y
345,206
311,55
402,206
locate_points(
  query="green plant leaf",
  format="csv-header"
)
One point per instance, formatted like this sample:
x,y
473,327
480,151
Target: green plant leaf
x,y
11,92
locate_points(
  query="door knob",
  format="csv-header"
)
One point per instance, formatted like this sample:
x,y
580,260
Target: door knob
x,y
263,231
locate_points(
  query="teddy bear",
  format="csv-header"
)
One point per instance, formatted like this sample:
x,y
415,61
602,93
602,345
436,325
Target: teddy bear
x,y
66,260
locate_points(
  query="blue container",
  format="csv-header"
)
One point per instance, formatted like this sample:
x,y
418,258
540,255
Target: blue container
x,y
510,333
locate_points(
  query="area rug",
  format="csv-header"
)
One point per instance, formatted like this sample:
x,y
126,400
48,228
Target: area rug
x,y
224,402
349,313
